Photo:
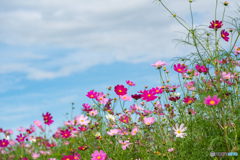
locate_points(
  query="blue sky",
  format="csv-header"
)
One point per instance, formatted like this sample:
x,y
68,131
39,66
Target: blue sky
x,y
53,53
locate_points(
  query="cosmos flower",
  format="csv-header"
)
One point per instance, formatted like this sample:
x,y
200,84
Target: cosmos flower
x,y
159,64
149,120
99,155
120,90
212,101
216,24
179,131
91,94
82,120
125,144
224,35
180,68
130,83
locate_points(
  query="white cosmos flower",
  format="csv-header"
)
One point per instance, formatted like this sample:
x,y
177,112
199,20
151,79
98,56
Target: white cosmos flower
x,y
179,131
176,94
111,117
98,134
7,137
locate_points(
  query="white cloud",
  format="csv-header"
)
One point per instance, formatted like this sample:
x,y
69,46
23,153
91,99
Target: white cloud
x,y
101,32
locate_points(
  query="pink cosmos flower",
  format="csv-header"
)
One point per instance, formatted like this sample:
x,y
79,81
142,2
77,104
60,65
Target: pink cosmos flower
x,y
196,73
179,131
225,35
224,75
149,120
21,129
180,68
76,156
4,143
190,85
130,83
102,98
159,64
126,97
124,144
91,94
215,24
237,50
35,155
170,150
82,120
123,131
12,142
134,131
37,123
212,102
120,90
112,132
93,112
159,109
32,127
51,158
99,155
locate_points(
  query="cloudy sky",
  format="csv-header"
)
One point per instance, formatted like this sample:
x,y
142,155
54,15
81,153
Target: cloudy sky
x,y
54,52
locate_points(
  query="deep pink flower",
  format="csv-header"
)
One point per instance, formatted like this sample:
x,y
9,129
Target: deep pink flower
x,y
136,96
20,138
174,99
124,119
180,68
91,94
149,120
47,118
201,68
68,157
76,156
125,144
120,90
225,35
189,100
130,83
216,25
86,107
212,102
83,129
149,95
157,90
4,143
99,155
66,133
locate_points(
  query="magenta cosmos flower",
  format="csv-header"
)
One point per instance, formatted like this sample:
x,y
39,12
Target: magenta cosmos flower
x,y
212,102
237,50
82,120
4,143
66,133
125,144
86,107
99,155
149,95
149,120
180,68
91,94
68,157
47,118
225,35
120,90
189,100
190,85
201,68
130,83
216,25
20,138
124,119
159,64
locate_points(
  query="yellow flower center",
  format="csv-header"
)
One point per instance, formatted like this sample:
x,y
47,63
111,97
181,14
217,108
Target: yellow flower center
x,y
227,77
120,90
20,138
216,24
178,131
212,102
124,120
100,98
82,120
124,97
149,95
99,157
124,144
46,117
157,90
130,83
3,143
92,113
67,159
148,123
135,131
223,35
91,95
179,70
189,101
66,135
124,132
238,48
